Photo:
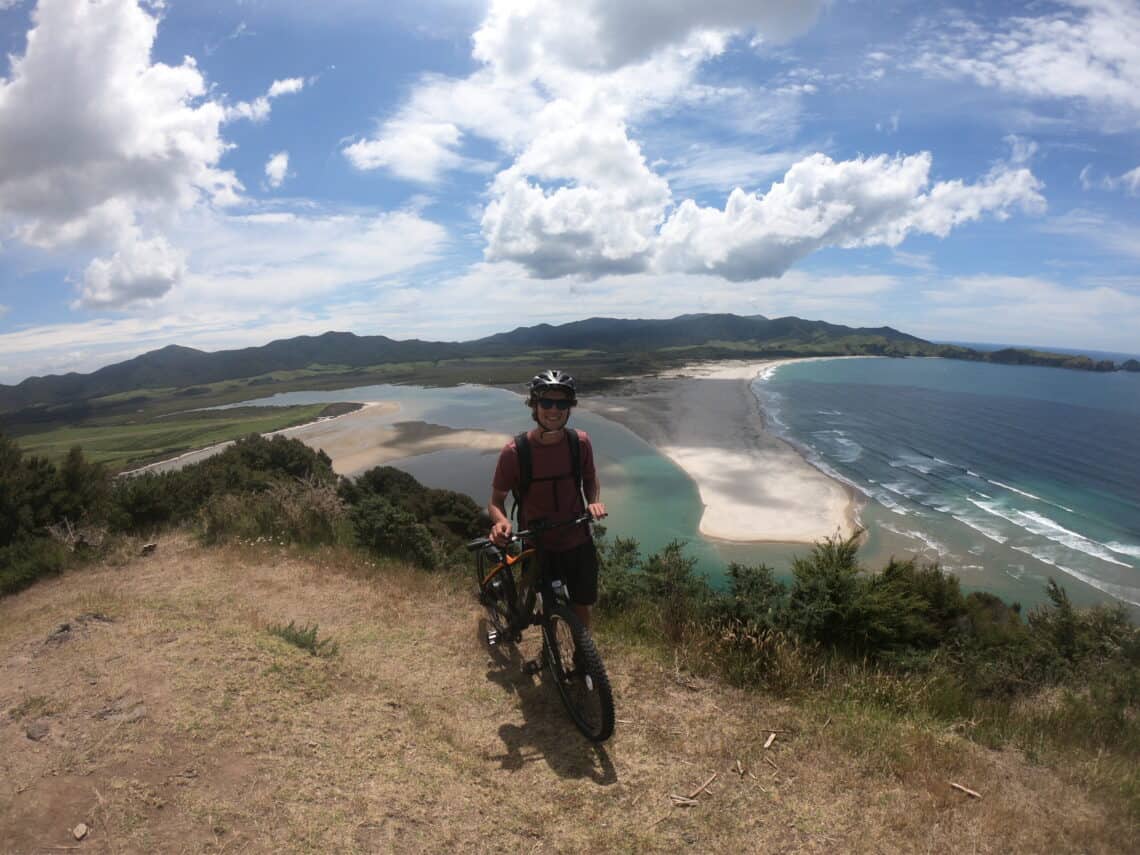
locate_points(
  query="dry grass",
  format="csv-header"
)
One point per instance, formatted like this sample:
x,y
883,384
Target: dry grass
x,y
182,725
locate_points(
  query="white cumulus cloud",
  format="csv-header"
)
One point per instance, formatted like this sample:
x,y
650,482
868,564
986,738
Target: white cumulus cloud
x,y
819,203
141,270
622,55
419,150
276,168
259,108
520,36
92,132
286,87
99,146
576,196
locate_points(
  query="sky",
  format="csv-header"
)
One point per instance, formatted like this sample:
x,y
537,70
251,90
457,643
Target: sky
x,y
223,173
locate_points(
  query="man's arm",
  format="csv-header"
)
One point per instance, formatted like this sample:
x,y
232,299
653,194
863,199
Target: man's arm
x,y
500,522
591,486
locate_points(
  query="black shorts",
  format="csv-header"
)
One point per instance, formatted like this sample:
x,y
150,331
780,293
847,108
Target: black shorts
x,y
578,570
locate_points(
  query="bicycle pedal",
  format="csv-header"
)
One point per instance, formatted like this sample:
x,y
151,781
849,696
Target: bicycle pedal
x,y
532,667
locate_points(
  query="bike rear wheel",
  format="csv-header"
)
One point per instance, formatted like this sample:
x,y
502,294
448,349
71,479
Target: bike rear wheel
x,y
496,596
576,668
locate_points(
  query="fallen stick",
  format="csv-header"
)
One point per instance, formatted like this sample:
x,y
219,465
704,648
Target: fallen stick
x,y
774,730
770,740
768,760
826,723
659,820
683,801
695,792
966,790
739,768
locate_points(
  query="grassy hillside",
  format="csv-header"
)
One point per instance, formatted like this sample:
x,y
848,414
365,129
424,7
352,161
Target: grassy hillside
x,y
168,716
298,666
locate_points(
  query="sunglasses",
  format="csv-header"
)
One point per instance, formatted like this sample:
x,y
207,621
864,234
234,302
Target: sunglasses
x,y
547,403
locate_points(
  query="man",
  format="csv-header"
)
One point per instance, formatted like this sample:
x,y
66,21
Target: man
x,y
553,493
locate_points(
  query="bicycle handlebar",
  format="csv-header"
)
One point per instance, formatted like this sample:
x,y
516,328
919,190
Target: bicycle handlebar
x,y
539,527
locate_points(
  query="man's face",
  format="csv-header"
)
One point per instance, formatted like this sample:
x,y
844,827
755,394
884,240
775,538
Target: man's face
x,y
550,417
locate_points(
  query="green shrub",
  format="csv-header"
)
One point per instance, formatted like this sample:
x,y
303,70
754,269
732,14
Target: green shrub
x,y
450,516
287,512
392,532
755,597
305,637
620,585
144,502
251,465
834,602
671,583
28,559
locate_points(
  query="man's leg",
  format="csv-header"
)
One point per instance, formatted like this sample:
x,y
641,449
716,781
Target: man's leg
x,y
583,581
583,613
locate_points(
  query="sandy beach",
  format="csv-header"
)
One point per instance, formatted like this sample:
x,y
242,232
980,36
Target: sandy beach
x,y
368,437
755,487
364,438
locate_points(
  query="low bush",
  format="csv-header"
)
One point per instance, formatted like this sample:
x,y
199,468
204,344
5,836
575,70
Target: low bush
x,y
305,637
450,516
389,531
304,513
29,559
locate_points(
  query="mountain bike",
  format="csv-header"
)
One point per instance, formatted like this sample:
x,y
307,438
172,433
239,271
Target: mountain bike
x,y
530,596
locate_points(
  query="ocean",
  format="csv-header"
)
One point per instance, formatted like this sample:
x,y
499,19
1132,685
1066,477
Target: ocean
x,y
1005,475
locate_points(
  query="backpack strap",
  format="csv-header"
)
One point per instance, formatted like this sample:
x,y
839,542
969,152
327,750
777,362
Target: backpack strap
x,y
576,461
522,448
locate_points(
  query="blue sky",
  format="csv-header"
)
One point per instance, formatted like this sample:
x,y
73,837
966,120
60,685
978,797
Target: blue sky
x,y
221,173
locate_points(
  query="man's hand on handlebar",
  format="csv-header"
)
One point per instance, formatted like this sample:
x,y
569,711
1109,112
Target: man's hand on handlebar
x,y
501,533
597,510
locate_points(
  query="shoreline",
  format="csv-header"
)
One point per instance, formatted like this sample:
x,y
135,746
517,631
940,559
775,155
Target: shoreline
x,y
357,440
755,486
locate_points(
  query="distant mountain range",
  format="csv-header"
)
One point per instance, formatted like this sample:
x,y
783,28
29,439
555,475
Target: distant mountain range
x,y
703,335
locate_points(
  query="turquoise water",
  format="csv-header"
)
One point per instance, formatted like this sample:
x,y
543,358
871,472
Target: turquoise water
x,y
649,498
1006,475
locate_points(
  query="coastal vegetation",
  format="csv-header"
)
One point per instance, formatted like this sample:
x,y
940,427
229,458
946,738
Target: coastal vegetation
x,y
127,442
879,651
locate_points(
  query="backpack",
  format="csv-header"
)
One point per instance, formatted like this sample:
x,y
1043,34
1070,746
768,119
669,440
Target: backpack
x,y
526,471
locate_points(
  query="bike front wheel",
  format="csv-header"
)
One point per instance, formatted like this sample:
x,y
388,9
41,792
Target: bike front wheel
x,y
576,667
496,596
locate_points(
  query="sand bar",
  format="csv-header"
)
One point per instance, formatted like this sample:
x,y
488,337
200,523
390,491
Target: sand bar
x,y
755,486
368,437
362,439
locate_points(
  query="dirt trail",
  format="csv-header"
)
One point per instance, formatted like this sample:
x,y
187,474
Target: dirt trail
x,y
167,719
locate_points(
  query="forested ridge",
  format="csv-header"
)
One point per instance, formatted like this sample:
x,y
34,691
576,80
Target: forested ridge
x,y
645,342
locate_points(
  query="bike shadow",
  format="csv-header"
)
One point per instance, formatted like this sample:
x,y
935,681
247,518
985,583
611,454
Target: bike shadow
x,y
548,733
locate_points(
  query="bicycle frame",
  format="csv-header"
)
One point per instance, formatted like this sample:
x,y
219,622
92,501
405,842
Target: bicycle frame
x,y
522,605
569,651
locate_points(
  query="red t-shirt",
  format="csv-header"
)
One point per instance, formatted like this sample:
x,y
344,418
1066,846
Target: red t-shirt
x,y
550,500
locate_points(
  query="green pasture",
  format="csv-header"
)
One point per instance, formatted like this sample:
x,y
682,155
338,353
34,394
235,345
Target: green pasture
x,y
120,446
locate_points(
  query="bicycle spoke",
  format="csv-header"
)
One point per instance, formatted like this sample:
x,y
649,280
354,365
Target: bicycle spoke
x,y
577,670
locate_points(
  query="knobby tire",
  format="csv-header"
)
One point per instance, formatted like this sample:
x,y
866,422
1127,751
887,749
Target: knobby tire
x,y
498,604
576,667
